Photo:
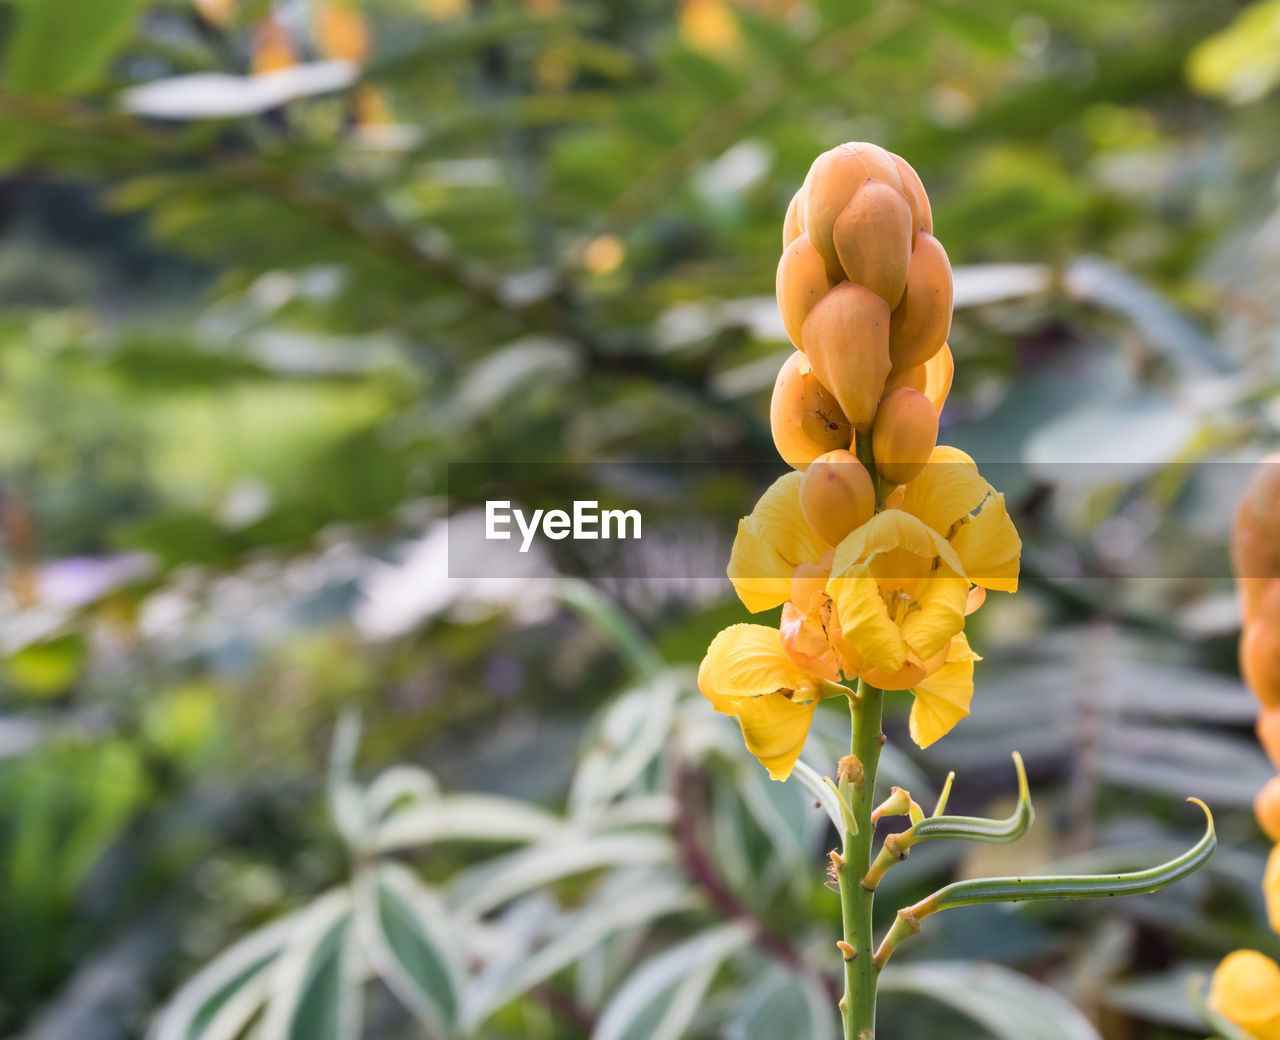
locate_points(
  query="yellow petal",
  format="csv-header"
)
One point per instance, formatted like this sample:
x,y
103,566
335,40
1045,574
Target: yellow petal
x,y
942,699
1246,990
989,547
940,615
771,543
774,730
896,547
749,661
948,489
864,619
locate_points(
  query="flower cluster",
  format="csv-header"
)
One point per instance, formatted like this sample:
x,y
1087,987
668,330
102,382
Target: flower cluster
x,y
1246,986
881,542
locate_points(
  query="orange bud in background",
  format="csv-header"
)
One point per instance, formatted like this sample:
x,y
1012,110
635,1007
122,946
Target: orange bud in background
x,y
341,32
833,178
1260,659
904,435
1255,537
804,415
792,224
1267,809
846,338
801,282
872,237
917,199
273,48
922,320
939,372
1269,733
837,495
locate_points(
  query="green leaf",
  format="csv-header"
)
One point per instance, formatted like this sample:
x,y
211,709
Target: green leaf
x,y
408,938
826,797
1010,1006
780,1004
62,45
315,991
661,997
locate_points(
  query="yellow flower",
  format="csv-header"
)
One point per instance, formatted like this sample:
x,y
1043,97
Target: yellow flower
x,y
747,673
1271,888
942,698
900,591
1246,990
951,496
771,543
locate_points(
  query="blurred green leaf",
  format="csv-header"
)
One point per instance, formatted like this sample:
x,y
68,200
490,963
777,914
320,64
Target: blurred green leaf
x,y
61,45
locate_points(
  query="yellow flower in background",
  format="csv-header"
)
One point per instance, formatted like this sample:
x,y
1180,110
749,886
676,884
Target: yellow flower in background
x,y
746,673
1246,990
273,48
709,26
341,32
770,544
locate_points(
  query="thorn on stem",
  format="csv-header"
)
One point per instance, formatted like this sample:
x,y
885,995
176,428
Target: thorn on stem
x,y
850,954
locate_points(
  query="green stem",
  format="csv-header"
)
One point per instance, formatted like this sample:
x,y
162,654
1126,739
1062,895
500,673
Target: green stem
x,y
858,1008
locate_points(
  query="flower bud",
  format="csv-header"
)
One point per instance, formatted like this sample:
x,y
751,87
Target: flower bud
x,y
1266,807
837,495
922,321
904,435
1260,659
833,178
914,378
1255,537
913,190
872,238
939,371
792,224
846,338
804,415
1246,991
1269,733
801,282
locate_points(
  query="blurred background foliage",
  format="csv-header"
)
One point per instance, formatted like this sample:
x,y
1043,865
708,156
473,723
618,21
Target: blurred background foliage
x,y
267,269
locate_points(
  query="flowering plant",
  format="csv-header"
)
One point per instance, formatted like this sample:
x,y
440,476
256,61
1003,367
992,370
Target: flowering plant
x,y
877,548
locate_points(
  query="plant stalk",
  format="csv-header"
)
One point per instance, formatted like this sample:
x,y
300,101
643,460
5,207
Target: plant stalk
x,y
857,787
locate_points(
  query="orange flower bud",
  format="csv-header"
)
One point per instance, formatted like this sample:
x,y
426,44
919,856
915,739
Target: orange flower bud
x,y
805,417
837,495
1267,809
939,371
913,189
792,224
914,378
1269,733
1260,659
1255,539
873,240
272,48
846,338
904,435
833,178
922,320
341,32
801,283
